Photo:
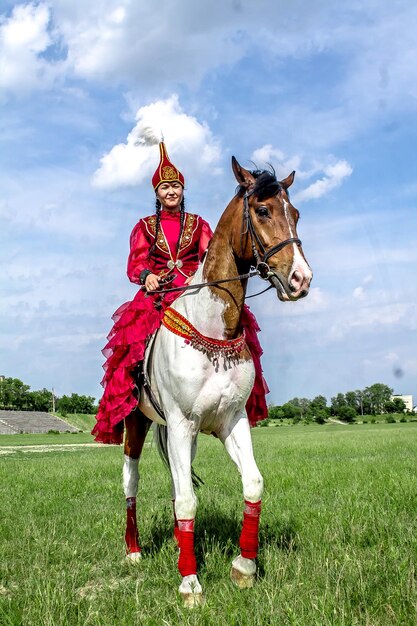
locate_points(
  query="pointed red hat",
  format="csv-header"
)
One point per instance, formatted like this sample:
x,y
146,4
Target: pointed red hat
x,y
166,171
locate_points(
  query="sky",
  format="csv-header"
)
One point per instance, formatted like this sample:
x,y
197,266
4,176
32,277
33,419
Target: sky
x,y
327,89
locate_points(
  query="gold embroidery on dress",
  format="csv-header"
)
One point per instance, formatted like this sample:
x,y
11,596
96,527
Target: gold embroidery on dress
x,y
161,241
190,226
188,231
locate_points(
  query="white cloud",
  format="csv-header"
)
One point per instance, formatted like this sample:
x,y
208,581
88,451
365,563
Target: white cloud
x,y
125,43
129,43
52,201
24,37
384,74
282,164
64,250
391,357
334,176
191,145
382,318
359,293
267,153
335,172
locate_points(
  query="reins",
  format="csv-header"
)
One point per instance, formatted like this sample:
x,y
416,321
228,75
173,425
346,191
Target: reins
x,y
207,284
262,268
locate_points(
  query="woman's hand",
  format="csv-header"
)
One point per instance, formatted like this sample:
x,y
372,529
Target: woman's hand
x,y
151,282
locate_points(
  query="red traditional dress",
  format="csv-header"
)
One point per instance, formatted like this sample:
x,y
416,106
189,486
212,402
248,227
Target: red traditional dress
x,y
137,320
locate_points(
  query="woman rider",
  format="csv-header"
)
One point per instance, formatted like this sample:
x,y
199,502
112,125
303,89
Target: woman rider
x,y
169,242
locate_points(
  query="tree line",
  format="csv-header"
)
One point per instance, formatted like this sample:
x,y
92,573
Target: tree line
x,y
373,400
15,395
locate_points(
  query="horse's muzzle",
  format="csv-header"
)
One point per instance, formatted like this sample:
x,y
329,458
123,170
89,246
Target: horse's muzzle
x,y
287,292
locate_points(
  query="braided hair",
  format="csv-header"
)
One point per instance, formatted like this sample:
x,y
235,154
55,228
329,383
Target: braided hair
x,y
182,220
158,208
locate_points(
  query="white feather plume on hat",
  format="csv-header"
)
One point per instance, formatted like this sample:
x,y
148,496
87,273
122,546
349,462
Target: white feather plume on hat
x,y
147,136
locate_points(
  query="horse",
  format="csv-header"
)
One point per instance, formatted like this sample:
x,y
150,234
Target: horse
x,y
208,373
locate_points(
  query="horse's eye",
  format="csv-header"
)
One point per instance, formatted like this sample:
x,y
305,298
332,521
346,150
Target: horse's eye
x,y
262,211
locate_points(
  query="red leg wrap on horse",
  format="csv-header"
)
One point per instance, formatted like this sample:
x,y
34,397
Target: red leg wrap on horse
x,y
131,535
250,530
187,563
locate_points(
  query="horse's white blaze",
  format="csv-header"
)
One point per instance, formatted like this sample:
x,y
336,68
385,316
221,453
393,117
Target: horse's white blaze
x,y
130,476
299,263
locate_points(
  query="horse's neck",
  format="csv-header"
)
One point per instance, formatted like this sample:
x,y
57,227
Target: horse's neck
x,y
215,311
202,309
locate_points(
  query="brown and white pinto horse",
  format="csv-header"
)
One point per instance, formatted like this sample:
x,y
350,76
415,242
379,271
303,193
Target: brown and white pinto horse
x,y
196,392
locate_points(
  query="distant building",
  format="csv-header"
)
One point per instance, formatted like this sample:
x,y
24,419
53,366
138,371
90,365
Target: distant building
x,y
408,401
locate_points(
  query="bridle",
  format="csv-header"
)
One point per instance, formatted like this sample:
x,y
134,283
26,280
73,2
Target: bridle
x,y
261,264
262,268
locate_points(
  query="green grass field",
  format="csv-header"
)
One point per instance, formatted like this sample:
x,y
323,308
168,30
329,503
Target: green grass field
x,y
338,532
82,421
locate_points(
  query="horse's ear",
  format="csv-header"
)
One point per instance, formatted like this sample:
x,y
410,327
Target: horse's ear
x,y
287,182
243,177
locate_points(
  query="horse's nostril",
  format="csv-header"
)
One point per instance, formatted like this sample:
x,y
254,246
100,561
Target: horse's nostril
x,y
296,280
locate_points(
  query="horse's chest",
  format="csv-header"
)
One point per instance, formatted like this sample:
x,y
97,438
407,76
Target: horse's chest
x,y
198,387
207,389
227,380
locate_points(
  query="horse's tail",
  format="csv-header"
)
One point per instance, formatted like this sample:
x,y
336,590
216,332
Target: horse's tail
x,y
161,440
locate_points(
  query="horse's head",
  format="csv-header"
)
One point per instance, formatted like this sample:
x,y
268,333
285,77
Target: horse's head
x,y
268,236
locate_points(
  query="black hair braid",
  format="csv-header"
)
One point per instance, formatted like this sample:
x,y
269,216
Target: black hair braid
x,y
157,225
182,220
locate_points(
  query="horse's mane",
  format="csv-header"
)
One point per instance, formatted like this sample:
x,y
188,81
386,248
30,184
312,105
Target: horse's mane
x,y
266,184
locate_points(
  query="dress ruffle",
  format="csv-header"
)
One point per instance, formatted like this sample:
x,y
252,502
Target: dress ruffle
x,y
134,323
256,407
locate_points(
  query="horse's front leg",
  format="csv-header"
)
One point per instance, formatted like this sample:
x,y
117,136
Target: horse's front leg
x,y
176,530
238,443
137,426
181,439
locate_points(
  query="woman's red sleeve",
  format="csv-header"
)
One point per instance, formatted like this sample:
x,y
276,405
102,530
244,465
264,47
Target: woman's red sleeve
x,y
138,257
206,235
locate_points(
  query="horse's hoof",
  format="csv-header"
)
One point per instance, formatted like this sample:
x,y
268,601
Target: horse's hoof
x,y
191,592
191,600
243,572
243,581
134,557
